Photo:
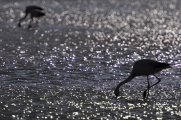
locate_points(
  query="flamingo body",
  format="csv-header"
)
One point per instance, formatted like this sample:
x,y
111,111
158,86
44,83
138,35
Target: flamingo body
x,y
147,67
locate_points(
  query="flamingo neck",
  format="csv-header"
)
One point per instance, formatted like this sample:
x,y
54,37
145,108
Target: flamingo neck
x,y
125,81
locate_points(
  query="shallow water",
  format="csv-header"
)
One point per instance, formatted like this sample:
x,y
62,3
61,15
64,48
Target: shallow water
x,y
68,66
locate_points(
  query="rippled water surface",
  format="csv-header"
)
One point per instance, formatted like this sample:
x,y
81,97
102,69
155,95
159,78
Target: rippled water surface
x,y
68,65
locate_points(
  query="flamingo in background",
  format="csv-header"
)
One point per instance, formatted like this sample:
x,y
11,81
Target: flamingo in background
x,y
144,67
34,12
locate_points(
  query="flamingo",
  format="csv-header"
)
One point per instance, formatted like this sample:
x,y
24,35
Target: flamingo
x,y
144,67
34,12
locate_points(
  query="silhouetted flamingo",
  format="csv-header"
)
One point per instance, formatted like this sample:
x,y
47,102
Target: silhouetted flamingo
x,y
34,12
144,67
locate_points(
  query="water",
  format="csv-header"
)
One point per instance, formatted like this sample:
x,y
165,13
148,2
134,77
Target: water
x,y
68,66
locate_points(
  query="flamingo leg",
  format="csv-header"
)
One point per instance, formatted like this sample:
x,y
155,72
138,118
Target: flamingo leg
x,y
145,94
156,82
30,23
148,86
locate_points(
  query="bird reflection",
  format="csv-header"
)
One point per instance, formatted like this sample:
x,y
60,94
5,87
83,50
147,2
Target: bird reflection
x,y
144,67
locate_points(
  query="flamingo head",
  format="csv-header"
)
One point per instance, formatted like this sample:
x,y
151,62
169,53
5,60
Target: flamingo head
x,y
116,92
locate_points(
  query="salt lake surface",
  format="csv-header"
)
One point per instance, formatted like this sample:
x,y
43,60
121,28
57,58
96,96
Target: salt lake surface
x,y
68,66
